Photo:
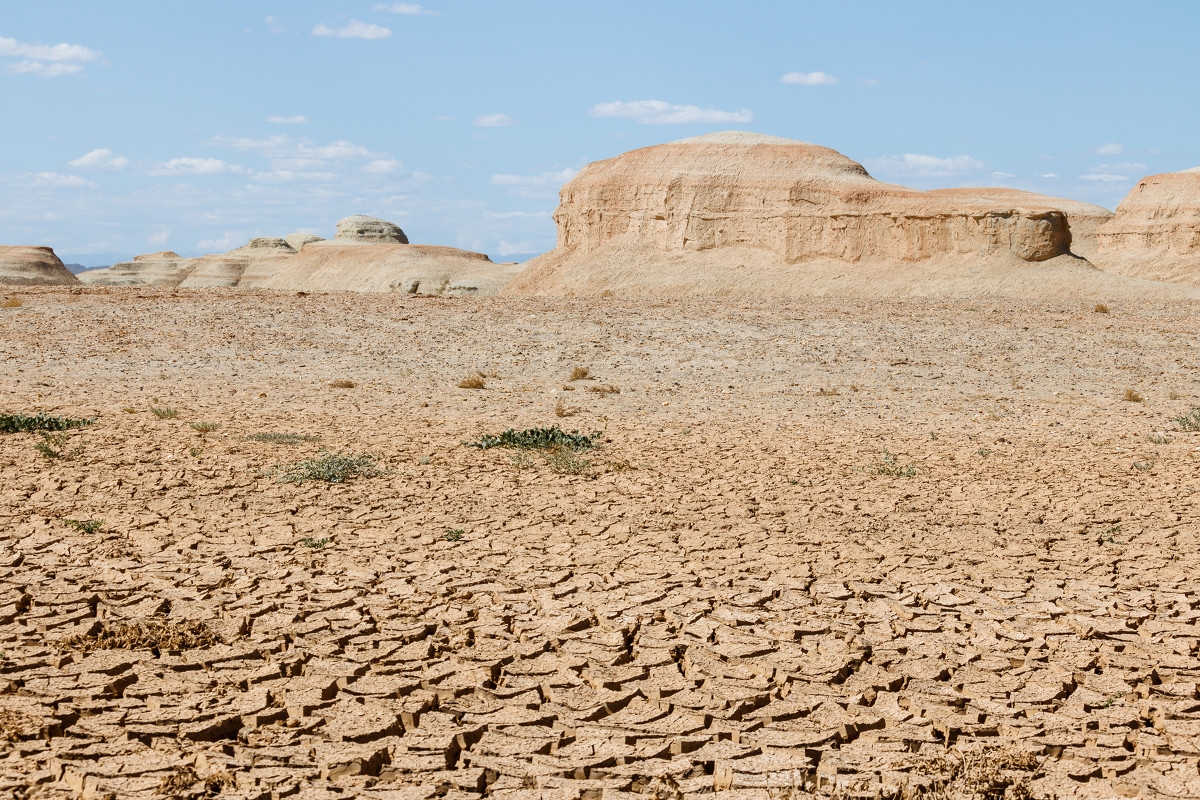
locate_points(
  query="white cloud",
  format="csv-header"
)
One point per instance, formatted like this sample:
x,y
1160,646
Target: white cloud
x,y
494,121
914,165
382,166
1003,175
1110,149
1103,178
404,8
657,112
301,160
507,248
45,60
355,29
299,119
226,242
1107,173
159,238
197,166
809,79
543,185
53,180
101,159
1049,175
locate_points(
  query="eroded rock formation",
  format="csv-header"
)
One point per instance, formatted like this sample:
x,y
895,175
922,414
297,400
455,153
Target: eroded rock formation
x,y
359,228
33,266
1156,232
740,208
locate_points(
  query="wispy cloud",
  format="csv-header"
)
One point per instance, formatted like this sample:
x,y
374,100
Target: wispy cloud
x,y
52,180
1110,149
405,8
197,166
299,119
657,112
914,165
301,160
382,166
101,159
543,185
494,121
809,79
45,60
355,29
1113,173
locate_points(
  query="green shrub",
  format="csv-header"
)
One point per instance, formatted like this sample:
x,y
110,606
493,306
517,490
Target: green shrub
x,y
166,412
54,445
281,438
538,438
206,427
888,464
328,467
24,423
1189,421
85,525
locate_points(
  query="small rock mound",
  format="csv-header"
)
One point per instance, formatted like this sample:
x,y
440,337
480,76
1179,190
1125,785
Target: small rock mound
x,y
298,240
1156,232
361,228
33,266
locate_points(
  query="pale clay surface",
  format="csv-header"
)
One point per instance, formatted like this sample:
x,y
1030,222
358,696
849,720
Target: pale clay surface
x,y
32,266
727,596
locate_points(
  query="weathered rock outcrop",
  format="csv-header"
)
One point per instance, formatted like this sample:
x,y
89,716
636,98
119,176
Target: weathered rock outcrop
x,y
744,212
360,228
1156,232
164,268
298,240
33,266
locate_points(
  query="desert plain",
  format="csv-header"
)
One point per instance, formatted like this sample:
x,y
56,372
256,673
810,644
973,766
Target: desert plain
x,y
833,547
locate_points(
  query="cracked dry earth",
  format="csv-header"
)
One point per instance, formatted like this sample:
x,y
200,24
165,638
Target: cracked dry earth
x,y
828,547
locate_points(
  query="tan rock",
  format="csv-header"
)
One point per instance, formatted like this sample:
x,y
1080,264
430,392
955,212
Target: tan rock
x,y
1156,231
298,240
361,228
165,268
33,266
760,215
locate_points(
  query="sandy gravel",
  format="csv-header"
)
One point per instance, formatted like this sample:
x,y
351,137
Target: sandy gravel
x,y
728,596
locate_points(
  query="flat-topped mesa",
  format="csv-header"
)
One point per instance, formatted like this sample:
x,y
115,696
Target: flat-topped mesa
x,y
360,228
795,199
1156,232
33,266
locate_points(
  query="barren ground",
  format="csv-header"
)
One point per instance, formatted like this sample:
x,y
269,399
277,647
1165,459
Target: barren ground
x,y
728,595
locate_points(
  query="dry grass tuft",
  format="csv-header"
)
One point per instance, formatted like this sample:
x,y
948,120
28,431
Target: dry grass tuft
x,y
580,374
828,392
1101,308
1132,396
561,409
342,384
151,634
12,302
604,391
473,381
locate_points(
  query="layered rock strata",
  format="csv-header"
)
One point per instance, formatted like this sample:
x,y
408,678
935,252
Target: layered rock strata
x,y
747,205
33,266
1156,231
359,228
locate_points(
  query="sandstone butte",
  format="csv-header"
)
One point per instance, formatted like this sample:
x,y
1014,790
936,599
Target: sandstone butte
x,y
366,255
33,266
1156,231
745,214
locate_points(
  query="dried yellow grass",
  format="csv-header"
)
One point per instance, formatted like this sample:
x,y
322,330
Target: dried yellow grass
x,y
473,381
12,302
580,374
342,384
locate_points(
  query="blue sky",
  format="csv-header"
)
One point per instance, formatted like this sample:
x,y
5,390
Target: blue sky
x,y
139,126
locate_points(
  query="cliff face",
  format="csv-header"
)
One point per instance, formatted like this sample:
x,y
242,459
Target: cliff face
x,y
33,266
790,202
1156,232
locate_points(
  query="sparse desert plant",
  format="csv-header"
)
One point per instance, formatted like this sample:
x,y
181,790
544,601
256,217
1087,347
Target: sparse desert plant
x,y
1101,308
521,460
166,412
315,544
1144,466
581,374
12,302
1160,438
983,451
282,438
561,409
889,464
1174,395
25,423
54,445
155,634
196,451
85,525
565,461
342,384
454,534
537,439
129,410
205,427
604,391
475,380
828,392
1132,396
424,460
1189,421
328,467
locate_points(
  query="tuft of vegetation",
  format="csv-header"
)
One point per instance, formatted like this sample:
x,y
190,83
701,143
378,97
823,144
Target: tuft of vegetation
x,y
166,412
342,384
282,438
12,302
828,392
566,461
984,451
315,544
537,439
561,409
156,634
1144,466
1101,308
129,410
604,391
205,427
1132,396
1174,395
473,381
54,445
889,464
26,423
454,534
581,374
1160,438
186,782
85,525
1189,421
329,467
196,451
521,460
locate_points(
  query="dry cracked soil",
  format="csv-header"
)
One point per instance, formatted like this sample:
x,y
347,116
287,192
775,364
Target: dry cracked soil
x,y
830,547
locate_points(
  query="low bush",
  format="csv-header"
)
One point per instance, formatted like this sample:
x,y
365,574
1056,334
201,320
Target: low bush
x,y
537,439
24,423
328,467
